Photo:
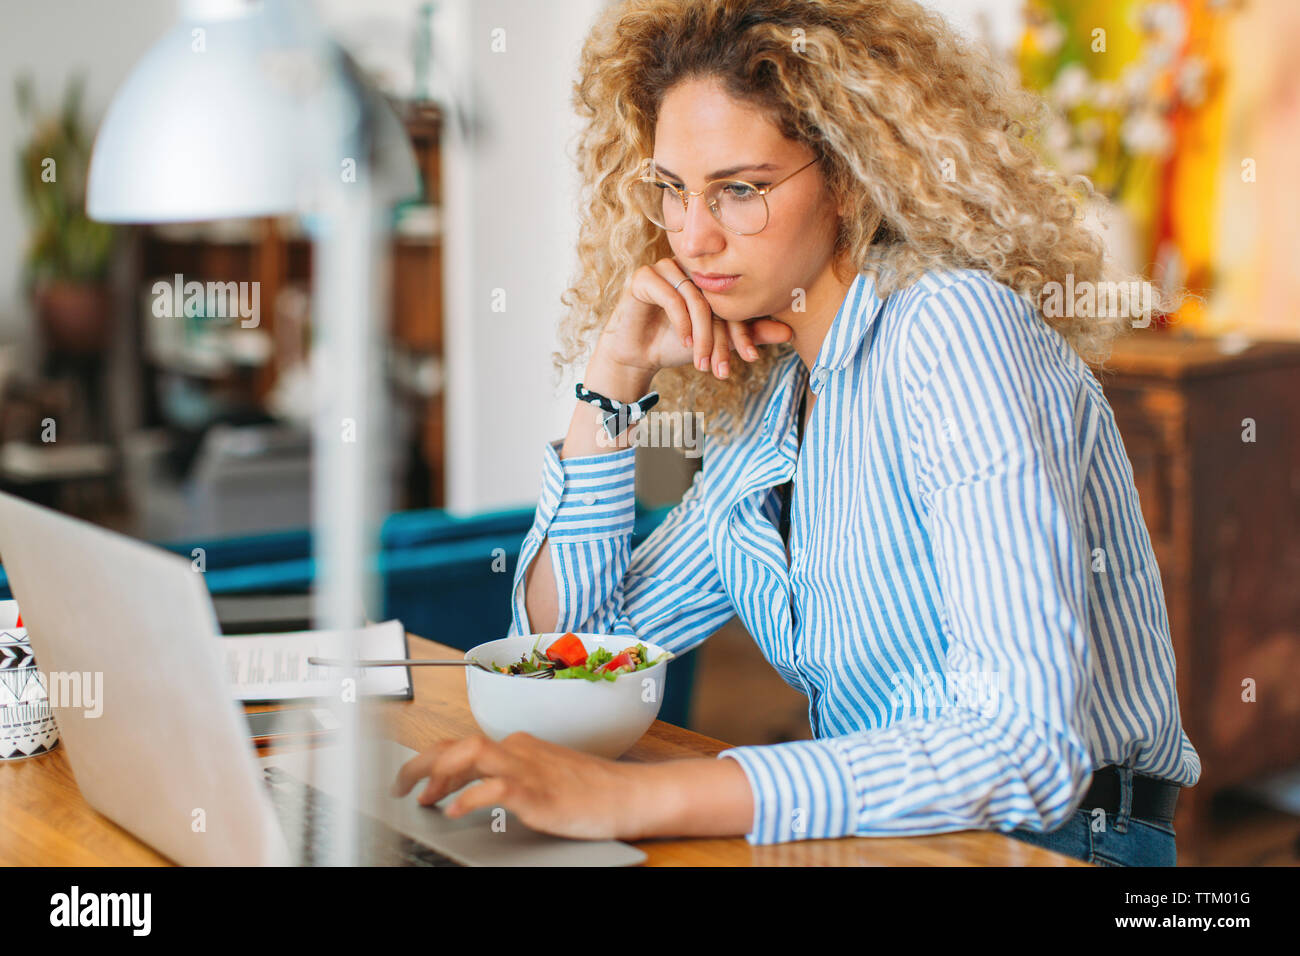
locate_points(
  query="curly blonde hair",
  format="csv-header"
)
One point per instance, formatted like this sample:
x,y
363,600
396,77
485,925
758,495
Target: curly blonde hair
x,y
890,99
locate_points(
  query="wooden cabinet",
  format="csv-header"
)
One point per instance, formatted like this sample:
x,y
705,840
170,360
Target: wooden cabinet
x,y
1224,516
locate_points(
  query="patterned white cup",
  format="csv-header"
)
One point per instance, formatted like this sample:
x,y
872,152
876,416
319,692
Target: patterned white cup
x,y
27,727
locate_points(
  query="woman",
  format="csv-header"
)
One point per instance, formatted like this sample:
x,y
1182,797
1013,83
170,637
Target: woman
x,y
966,592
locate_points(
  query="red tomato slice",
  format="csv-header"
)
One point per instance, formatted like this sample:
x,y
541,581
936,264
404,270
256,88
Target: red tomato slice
x,y
568,650
622,660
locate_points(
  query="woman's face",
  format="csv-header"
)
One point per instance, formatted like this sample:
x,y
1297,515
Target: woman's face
x,y
703,134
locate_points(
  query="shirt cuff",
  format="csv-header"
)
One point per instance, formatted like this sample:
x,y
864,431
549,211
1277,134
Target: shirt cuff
x,y
803,790
587,498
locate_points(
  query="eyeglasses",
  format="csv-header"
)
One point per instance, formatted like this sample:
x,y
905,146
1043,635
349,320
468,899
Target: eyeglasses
x,y
740,207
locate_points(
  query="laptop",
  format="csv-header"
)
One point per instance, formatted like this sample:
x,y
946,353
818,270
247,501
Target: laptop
x,y
169,757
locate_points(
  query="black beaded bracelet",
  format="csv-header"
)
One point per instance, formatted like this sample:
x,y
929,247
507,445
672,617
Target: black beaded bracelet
x,y
620,415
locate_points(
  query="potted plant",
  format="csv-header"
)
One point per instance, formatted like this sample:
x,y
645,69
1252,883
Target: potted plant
x,y
68,255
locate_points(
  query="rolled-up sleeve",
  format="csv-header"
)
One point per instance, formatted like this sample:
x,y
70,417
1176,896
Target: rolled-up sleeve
x,y
995,467
667,591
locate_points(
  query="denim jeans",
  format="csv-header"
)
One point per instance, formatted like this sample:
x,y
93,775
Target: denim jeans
x,y
1124,840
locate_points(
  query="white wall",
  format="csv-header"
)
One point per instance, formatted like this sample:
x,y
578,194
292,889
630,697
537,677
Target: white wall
x,y
510,226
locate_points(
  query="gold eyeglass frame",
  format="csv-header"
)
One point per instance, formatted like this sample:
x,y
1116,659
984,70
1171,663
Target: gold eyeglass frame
x,y
686,196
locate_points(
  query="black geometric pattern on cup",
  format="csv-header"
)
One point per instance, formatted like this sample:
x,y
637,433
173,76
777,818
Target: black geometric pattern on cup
x,y
15,656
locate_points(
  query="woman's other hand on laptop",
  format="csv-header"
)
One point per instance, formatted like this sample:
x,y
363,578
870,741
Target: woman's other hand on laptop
x,y
548,787
557,790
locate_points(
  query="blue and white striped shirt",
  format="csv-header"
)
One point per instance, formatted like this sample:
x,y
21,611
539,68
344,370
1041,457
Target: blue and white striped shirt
x,y
977,622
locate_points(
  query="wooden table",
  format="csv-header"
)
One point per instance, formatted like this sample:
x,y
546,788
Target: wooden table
x,y
45,821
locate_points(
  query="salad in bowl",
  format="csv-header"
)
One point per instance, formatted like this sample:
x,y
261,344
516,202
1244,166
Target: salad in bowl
x,y
567,658
601,696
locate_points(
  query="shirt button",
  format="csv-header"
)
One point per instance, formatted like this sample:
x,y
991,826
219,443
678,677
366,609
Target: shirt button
x,y
820,376
589,498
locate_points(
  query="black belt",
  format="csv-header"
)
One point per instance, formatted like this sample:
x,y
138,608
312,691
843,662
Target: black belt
x,y
1153,799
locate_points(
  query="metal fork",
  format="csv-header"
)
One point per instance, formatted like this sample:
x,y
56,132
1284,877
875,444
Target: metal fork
x,y
543,674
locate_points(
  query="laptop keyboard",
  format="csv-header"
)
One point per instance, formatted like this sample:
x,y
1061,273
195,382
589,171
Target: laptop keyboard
x,y
309,817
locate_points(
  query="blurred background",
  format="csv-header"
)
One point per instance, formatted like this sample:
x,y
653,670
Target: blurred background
x,y
189,427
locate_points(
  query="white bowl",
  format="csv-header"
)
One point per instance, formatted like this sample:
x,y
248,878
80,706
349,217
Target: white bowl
x,y
602,717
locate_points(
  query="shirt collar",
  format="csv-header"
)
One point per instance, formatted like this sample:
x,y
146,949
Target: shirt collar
x,y
856,314
843,341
